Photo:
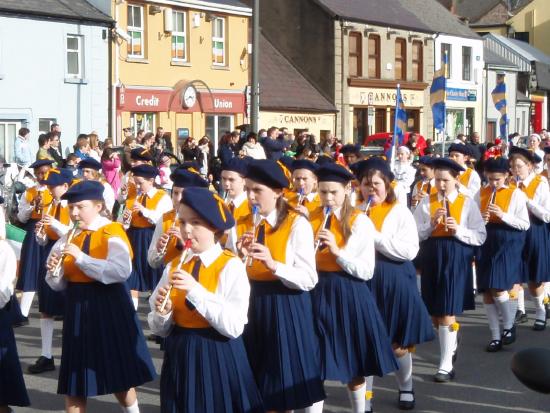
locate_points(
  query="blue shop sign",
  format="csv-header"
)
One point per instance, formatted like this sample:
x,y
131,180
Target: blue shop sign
x,y
465,95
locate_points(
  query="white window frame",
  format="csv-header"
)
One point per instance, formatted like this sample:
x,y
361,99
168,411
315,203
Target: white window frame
x,y
464,48
137,29
179,34
216,39
79,53
9,141
216,138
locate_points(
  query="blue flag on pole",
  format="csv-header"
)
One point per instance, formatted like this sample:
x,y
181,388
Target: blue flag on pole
x,y
399,125
438,94
499,99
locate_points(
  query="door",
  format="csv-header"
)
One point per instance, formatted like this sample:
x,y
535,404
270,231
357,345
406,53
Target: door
x,y
8,133
380,120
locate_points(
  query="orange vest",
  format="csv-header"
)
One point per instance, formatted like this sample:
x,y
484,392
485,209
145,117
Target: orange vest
x,y
464,178
99,248
378,213
275,241
310,205
422,187
60,213
208,278
325,260
531,188
139,221
172,250
502,200
31,194
455,211
241,211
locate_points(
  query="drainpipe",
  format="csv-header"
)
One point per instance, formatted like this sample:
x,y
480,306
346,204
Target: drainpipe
x,y
114,83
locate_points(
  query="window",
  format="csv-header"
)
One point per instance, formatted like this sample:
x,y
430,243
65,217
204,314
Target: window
x,y
216,126
446,48
44,124
218,41
135,31
400,59
179,37
417,61
466,63
145,121
8,133
355,54
374,56
74,56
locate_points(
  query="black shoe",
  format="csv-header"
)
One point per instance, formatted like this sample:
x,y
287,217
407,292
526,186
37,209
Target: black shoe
x,y
403,404
494,346
443,376
539,325
521,317
24,321
42,364
509,335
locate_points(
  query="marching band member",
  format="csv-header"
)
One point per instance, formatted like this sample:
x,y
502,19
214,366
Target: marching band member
x,y
393,284
504,209
141,215
12,385
167,237
201,305
426,185
233,184
31,208
279,337
536,260
138,156
305,199
470,182
89,169
451,225
54,225
353,339
103,348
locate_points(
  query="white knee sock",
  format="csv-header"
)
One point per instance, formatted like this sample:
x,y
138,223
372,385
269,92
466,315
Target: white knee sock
x,y
492,318
46,333
539,307
507,310
513,307
447,346
315,407
404,376
26,302
368,392
135,300
134,408
521,300
357,399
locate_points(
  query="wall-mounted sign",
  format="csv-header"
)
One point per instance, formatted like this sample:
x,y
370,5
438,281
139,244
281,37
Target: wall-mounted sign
x,y
384,97
464,95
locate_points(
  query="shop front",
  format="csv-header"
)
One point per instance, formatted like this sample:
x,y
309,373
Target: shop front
x,y
460,114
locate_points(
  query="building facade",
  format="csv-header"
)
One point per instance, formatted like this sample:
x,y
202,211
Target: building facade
x,y
531,24
61,77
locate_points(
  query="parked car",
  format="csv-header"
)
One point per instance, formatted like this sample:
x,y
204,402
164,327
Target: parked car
x,y
384,140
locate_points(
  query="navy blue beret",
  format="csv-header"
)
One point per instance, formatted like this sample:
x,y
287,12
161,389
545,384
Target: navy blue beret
x,y
268,173
426,160
334,172
84,191
89,163
183,178
496,165
324,159
446,163
460,148
350,148
529,155
236,165
361,168
287,161
145,171
41,162
304,164
141,154
56,177
209,206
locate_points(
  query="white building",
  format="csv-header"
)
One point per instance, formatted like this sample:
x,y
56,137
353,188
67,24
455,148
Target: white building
x,y
54,68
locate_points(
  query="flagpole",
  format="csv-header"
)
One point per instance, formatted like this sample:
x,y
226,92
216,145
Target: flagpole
x,y
443,133
394,141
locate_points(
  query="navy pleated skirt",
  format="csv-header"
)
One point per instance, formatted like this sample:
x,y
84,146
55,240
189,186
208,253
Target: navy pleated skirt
x,y
352,335
32,259
143,276
103,348
282,347
204,371
417,261
14,310
12,386
447,279
500,264
536,256
395,291
50,302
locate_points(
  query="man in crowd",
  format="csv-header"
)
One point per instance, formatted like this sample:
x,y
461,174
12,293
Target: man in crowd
x,y
22,151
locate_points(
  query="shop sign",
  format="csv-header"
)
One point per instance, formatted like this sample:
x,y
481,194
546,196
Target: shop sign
x,y
143,100
384,97
222,102
463,95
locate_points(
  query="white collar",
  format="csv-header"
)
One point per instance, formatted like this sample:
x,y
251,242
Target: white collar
x,y
209,256
98,222
311,196
451,197
239,199
527,180
271,218
337,212
151,192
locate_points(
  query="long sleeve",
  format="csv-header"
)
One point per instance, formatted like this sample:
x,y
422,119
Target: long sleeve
x,y
108,196
357,256
398,239
18,152
153,215
8,268
57,283
423,218
299,270
25,209
161,325
471,230
517,216
540,204
152,254
115,268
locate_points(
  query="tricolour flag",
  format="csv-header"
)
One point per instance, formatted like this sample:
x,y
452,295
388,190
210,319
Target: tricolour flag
x,y
499,99
438,94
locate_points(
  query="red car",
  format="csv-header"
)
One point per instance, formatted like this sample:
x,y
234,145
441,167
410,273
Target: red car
x,y
384,139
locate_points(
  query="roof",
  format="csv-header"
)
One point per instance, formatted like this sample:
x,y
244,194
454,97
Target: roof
x,y
438,18
386,13
63,9
282,87
474,10
524,49
493,59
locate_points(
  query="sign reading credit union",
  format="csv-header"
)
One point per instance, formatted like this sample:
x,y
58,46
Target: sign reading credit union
x,y
384,97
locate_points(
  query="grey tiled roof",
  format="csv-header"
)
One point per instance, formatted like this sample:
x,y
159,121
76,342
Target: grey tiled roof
x,y
64,9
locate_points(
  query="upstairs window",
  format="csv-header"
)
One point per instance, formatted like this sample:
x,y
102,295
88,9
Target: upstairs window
x,y
374,56
400,59
355,66
179,36
135,31
218,41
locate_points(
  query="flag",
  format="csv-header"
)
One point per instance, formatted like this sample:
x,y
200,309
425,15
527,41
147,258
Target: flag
x,y
438,94
499,99
399,125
